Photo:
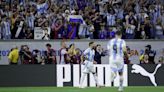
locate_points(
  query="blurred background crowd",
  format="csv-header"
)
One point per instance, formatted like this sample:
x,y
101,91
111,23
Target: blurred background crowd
x,y
70,54
81,19
66,55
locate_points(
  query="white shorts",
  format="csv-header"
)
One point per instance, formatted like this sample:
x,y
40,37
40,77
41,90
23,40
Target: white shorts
x,y
88,67
116,65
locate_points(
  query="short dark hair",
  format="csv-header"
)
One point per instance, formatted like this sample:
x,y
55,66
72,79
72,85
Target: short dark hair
x,y
48,45
149,46
98,45
118,33
90,43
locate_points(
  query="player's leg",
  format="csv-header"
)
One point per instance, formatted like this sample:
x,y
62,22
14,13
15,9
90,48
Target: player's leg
x,y
96,79
114,70
85,71
113,74
92,70
121,79
82,79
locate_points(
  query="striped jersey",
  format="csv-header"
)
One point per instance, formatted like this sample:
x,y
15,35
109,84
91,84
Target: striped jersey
x,y
89,54
115,47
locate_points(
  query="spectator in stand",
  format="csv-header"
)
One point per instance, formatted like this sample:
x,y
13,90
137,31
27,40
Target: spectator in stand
x,y
30,18
57,29
38,13
28,34
63,53
159,30
145,59
147,28
130,30
98,54
50,55
78,56
72,54
13,56
103,32
26,55
111,18
96,22
37,58
6,28
151,54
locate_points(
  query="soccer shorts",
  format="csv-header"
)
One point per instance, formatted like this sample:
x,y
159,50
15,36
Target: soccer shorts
x,y
117,65
88,67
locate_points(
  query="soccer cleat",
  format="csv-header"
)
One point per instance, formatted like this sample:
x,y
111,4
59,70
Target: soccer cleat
x,y
99,86
81,87
120,89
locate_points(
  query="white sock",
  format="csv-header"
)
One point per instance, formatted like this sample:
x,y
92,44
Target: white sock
x,y
96,79
113,76
121,81
82,79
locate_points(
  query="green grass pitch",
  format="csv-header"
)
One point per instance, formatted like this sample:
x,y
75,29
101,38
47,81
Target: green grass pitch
x,y
73,89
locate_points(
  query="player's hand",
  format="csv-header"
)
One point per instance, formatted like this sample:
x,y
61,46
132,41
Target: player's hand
x,y
94,62
82,63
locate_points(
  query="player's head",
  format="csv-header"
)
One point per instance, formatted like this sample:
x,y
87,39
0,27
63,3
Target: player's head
x,y
91,45
118,34
48,46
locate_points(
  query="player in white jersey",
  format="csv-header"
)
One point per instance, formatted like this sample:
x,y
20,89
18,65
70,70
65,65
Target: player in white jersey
x,y
117,50
88,64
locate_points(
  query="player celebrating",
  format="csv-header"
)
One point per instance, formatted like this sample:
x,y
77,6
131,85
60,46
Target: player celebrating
x,y
117,49
88,64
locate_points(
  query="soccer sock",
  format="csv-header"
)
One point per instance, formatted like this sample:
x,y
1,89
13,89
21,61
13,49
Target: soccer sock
x,y
121,81
113,76
96,79
82,79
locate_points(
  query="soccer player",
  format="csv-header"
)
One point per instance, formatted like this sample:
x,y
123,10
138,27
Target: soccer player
x,y
88,54
117,50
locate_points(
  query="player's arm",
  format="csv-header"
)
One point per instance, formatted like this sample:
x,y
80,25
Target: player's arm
x,y
108,46
125,49
83,56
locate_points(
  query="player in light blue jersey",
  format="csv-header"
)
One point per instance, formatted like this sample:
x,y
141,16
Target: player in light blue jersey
x,y
117,50
88,55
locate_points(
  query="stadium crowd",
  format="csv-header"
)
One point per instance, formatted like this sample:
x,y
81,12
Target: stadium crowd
x,y
67,55
81,19
73,55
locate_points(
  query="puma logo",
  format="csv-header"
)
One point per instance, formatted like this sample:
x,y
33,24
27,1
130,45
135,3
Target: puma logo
x,y
140,70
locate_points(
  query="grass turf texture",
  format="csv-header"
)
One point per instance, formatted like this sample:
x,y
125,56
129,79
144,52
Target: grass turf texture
x,y
73,89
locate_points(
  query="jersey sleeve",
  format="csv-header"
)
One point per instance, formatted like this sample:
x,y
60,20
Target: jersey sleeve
x,y
86,52
124,44
109,45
